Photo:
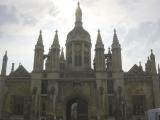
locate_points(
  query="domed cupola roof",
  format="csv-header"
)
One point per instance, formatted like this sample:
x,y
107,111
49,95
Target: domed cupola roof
x,y
78,32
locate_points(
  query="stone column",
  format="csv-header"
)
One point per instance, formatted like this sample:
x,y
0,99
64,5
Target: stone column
x,y
83,65
33,107
73,54
1,96
89,56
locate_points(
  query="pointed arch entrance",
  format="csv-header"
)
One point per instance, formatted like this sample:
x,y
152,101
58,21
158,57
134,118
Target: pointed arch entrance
x,y
77,109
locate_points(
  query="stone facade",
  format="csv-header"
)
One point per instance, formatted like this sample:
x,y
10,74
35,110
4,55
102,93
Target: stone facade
x,y
70,89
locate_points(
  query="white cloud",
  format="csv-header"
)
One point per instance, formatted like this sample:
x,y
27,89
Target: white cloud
x,y
137,23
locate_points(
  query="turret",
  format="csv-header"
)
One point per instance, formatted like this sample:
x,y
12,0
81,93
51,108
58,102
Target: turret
x,y
4,65
39,56
140,66
99,54
153,63
55,44
109,60
148,66
54,54
117,73
116,54
62,61
12,69
155,80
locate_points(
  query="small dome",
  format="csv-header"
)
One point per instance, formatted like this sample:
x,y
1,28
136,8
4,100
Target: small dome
x,y
78,32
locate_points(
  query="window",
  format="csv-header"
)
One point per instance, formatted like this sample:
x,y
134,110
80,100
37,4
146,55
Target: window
x,y
69,59
69,54
86,54
138,104
78,54
110,105
44,87
110,86
78,60
18,105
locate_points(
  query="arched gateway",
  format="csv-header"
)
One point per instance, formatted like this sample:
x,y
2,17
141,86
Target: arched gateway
x,y
77,109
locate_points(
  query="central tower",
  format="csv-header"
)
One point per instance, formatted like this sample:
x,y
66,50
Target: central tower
x,y
78,45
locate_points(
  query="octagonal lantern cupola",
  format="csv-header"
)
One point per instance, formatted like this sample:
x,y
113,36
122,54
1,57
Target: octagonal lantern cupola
x,y
78,45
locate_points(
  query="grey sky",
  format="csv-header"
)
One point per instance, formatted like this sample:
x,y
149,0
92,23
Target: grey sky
x,y
137,23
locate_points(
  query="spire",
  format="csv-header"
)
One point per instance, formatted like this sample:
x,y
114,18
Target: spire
x,y
109,50
153,63
78,15
12,69
116,54
99,54
62,55
148,65
148,60
99,43
56,41
38,54
115,43
115,38
62,60
152,56
140,66
5,56
4,64
40,41
99,39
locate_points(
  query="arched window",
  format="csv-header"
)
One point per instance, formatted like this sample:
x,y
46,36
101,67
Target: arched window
x,y
138,104
44,87
110,86
78,54
110,105
69,54
86,54
18,105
